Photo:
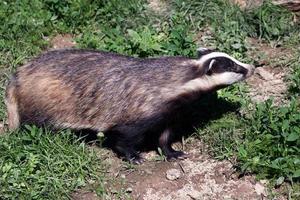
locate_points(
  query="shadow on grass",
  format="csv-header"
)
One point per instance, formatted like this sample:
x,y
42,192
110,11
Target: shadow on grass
x,y
210,107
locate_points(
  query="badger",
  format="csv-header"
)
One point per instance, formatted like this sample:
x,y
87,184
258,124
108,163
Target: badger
x,y
126,98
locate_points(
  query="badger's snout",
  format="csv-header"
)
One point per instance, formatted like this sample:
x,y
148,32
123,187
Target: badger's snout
x,y
250,70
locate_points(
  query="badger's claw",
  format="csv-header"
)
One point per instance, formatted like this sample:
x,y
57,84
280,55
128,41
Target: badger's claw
x,y
137,160
177,155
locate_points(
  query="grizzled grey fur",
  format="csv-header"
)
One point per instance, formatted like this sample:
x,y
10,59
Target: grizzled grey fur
x,y
122,96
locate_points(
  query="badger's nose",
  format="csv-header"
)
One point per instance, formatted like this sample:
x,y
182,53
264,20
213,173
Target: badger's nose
x,y
250,69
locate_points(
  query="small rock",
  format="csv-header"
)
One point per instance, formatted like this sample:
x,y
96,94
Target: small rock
x,y
150,155
260,190
264,181
129,190
123,176
148,171
194,195
113,191
244,188
173,174
91,181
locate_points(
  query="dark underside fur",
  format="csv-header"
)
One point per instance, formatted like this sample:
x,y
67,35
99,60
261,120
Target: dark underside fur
x,y
128,98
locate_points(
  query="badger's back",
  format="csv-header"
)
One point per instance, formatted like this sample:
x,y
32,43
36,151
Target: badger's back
x,y
96,90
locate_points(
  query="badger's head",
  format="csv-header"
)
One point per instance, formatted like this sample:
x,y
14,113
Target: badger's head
x,y
222,68
216,70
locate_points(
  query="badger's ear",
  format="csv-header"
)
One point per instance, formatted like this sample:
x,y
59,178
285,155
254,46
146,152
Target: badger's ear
x,y
208,65
203,51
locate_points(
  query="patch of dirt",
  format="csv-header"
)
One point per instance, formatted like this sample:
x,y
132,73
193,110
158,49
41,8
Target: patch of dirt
x,y
267,54
247,4
86,195
197,177
62,41
266,83
158,6
269,78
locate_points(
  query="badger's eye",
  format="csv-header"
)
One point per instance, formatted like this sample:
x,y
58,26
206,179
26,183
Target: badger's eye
x,y
234,67
209,72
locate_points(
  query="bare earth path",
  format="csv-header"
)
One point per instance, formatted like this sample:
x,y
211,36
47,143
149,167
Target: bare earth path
x,y
198,177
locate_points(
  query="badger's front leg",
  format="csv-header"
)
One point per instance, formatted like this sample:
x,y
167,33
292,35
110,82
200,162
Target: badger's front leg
x,y
165,144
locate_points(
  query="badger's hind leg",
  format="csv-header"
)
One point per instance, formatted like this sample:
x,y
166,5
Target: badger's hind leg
x,y
130,154
124,141
165,143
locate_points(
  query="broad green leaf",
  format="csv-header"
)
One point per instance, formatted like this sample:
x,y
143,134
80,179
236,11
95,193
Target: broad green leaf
x,y
279,181
296,174
293,137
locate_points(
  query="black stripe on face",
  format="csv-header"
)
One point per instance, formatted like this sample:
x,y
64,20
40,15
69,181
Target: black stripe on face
x,y
223,64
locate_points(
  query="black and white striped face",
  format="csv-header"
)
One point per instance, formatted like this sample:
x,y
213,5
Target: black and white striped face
x,y
222,68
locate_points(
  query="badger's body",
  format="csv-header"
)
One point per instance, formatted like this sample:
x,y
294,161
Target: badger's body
x,y
124,96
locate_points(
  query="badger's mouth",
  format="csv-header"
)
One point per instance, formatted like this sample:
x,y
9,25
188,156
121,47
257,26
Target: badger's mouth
x,y
245,70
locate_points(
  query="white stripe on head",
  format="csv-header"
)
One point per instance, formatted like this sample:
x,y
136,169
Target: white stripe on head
x,y
206,57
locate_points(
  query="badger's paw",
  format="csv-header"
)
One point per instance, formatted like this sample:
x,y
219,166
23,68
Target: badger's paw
x,y
137,161
176,155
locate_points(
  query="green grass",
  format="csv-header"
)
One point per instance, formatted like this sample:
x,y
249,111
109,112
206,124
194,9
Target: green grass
x,y
259,138
294,78
265,141
39,164
271,142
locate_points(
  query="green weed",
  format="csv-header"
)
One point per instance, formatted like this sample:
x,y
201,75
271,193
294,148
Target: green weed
x,y
271,142
226,20
271,22
38,164
294,78
264,141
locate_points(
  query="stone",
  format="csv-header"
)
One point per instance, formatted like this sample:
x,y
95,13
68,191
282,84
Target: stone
x,y
173,174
